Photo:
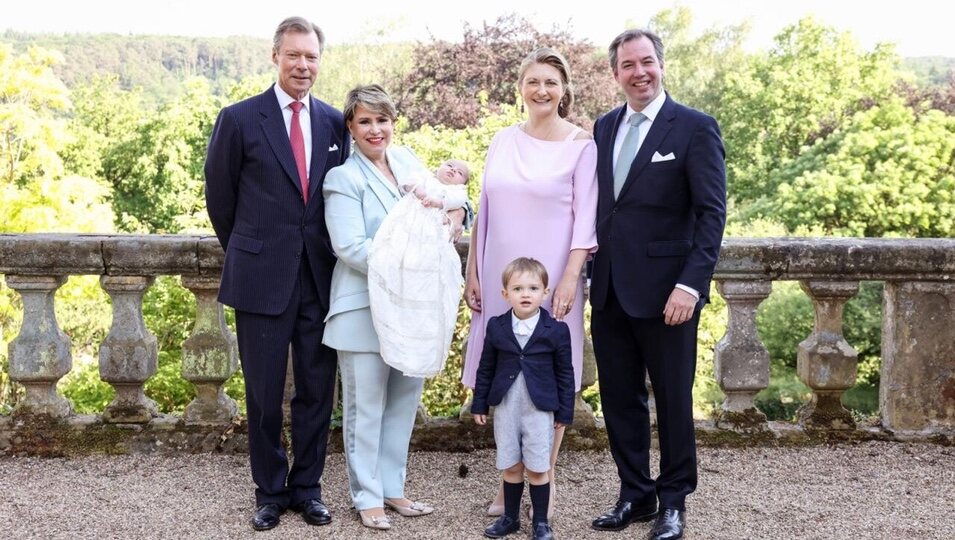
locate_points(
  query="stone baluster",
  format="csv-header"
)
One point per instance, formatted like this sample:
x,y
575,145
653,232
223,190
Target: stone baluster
x,y
40,354
918,357
826,362
209,356
129,355
741,362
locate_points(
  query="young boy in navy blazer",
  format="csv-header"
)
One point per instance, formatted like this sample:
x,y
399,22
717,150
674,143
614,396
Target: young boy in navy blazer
x,y
527,374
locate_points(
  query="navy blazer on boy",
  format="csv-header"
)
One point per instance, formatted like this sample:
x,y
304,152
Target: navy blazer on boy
x,y
545,362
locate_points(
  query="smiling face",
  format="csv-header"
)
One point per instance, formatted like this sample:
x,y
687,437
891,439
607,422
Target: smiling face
x,y
541,89
524,292
297,58
639,72
371,131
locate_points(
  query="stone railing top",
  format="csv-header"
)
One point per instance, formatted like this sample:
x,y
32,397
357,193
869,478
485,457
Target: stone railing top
x,y
837,258
741,258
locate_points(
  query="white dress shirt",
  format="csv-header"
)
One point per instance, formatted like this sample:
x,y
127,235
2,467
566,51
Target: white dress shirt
x,y
304,120
523,328
650,111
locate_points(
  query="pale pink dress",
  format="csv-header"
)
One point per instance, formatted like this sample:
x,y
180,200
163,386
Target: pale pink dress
x,y
538,199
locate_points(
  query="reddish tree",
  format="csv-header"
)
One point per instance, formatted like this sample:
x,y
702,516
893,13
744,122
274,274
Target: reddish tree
x,y
444,85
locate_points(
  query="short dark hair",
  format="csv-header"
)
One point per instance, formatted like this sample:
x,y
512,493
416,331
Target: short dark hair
x,y
630,35
297,24
522,265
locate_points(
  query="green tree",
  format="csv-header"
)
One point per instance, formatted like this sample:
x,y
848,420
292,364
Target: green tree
x,y
805,87
31,100
885,172
157,174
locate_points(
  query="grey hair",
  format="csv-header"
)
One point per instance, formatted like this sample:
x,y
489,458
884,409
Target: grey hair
x,y
372,97
300,25
630,35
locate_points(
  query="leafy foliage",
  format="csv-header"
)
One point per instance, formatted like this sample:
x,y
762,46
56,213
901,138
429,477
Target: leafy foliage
x,y
446,85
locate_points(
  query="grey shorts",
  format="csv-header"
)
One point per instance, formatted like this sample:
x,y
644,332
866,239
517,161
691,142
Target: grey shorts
x,y
523,433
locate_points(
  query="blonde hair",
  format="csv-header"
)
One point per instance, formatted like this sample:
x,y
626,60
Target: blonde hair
x,y
550,57
524,265
372,97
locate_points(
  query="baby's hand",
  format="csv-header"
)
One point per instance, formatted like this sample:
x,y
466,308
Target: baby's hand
x,y
431,202
480,419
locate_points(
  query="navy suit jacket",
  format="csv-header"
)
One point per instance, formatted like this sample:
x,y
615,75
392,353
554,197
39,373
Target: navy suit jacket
x,y
666,226
255,203
545,361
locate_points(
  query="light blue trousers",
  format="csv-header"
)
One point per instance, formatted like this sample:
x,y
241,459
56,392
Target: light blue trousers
x,y
380,405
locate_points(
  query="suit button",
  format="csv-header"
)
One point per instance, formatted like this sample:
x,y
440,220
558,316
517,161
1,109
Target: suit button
x,y
511,377
614,211
522,357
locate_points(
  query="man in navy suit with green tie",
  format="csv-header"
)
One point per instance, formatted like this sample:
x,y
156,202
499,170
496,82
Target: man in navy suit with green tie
x,y
660,215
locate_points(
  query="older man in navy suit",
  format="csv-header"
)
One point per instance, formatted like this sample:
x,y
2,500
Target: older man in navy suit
x,y
660,218
266,161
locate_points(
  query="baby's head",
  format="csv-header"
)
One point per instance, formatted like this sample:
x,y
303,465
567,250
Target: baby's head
x,y
453,172
525,286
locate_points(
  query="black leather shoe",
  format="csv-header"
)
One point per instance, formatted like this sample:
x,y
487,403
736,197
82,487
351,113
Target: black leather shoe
x,y
622,514
502,527
542,532
669,525
314,512
266,516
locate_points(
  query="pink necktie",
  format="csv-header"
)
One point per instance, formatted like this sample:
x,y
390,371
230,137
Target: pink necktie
x,y
298,147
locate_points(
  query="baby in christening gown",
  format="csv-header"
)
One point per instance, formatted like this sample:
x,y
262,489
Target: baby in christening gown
x,y
414,273
447,189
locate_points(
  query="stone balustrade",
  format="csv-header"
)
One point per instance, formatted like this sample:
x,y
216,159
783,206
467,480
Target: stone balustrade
x,y
917,394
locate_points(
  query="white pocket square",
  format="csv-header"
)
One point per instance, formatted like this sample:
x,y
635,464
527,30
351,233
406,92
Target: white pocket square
x,y
332,148
657,157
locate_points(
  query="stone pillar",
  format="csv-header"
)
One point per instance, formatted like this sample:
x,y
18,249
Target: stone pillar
x,y
583,413
209,356
741,362
40,354
826,363
129,354
918,356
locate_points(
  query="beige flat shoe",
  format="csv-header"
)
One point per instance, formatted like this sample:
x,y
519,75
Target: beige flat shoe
x,y
381,523
414,509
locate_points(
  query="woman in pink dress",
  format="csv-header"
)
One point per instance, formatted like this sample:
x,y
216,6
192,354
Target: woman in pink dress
x,y
538,199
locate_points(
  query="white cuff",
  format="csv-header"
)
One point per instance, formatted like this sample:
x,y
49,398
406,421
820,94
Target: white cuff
x,y
690,290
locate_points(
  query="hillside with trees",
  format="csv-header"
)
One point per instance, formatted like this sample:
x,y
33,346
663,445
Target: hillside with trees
x,y
107,133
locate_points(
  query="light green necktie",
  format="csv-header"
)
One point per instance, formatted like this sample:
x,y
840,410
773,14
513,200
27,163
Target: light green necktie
x,y
628,151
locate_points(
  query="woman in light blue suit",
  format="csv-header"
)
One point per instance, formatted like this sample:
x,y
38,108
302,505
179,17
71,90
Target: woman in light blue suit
x,y
380,404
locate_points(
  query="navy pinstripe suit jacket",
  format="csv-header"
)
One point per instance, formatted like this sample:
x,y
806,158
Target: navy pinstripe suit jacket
x,y
255,202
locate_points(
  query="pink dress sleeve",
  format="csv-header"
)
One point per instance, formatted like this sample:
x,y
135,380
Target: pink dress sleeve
x,y
585,200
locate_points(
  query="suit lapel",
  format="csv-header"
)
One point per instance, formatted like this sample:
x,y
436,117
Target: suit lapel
x,y
505,326
543,325
658,131
273,125
321,135
382,188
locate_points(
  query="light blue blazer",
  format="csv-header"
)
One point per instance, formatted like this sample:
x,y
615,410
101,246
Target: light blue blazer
x,y
357,199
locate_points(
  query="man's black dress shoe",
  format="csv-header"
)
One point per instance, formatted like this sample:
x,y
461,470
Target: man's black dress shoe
x,y
502,527
542,532
622,514
266,516
314,512
669,525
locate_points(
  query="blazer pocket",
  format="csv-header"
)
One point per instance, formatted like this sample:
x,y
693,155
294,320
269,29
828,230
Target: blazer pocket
x,y
671,248
252,245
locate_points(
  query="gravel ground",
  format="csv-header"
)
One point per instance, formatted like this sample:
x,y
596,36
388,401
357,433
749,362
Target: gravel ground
x,y
865,491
